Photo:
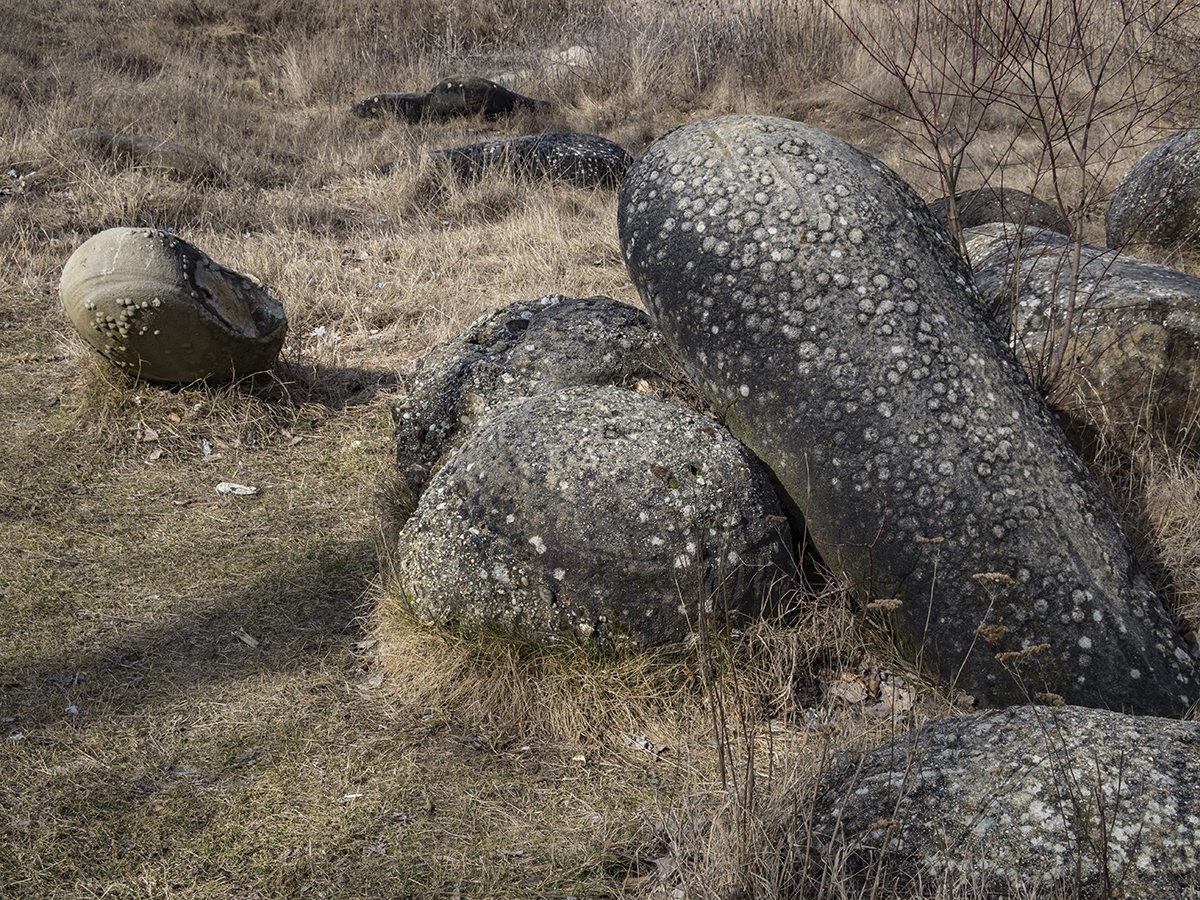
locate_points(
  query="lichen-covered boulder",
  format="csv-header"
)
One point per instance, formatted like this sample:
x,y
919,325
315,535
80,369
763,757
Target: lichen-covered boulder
x,y
1132,349
587,160
981,206
1158,200
470,95
529,347
160,309
832,324
149,152
406,106
1031,798
594,513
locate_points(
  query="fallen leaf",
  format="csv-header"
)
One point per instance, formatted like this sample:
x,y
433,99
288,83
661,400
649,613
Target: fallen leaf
x,y
155,455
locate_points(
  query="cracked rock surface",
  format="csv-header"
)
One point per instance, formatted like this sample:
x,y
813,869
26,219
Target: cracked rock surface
x,y
529,347
595,514
160,309
1032,797
824,313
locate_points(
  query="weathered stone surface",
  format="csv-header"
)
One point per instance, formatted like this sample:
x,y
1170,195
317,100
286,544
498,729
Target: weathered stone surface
x,y
450,98
981,206
1023,799
160,309
530,347
830,321
149,152
469,95
1158,200
587,160
1133,342
594,513
409,107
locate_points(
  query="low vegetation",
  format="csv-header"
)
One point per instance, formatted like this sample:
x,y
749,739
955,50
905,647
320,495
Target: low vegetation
x,y
194,701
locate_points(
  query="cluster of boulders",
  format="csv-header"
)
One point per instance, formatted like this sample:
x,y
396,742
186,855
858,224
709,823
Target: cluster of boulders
x,y
819,358
827,317
557,500
587,160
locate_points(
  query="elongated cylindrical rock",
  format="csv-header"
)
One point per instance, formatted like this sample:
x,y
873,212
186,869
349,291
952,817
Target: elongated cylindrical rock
x,y
824,312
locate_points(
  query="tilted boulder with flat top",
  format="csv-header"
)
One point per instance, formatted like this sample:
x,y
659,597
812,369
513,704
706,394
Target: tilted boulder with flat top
x,y
595,514
1127,330
1032,800
828,318
160,309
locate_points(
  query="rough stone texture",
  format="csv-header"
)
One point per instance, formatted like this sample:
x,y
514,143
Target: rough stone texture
x,y
409,107
530,347
450,98
468,95
594,513
150,152
158,308
1027,798
587,160
987,204
1158,200
830,321
1134,346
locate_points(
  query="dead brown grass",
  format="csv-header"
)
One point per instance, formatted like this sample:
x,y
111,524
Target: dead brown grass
x,y
190,700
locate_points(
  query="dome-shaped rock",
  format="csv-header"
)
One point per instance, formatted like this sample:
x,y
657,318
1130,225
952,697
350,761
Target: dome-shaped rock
x,y
828,318
1158,200
594,513
981,206
1032,800
529,347
160,309
469,95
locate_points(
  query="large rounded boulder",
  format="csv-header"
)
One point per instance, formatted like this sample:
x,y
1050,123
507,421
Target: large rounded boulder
x,y
1053,801
596,514
830,321
1106,331
1158,200
530,347
160,309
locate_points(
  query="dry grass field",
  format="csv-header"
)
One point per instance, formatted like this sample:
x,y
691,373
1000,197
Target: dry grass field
x,y
192,702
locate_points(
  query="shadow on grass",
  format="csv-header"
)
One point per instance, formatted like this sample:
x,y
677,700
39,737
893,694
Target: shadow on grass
x,y
290,618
